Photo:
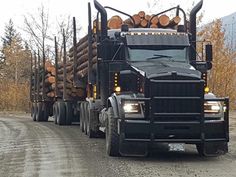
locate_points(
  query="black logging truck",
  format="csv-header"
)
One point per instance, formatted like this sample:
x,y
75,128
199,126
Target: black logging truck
x,y
142,86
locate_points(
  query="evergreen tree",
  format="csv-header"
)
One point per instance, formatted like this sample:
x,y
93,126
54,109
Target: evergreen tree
x,y
9,34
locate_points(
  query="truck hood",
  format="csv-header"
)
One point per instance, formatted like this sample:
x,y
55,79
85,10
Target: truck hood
x,y
157,68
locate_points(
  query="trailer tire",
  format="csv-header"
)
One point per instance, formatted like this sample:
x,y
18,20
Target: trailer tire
x,y
68,113
81,117
112,136
39,112
91,130
33,111
55,112
45,111
85,118
61,118
212,149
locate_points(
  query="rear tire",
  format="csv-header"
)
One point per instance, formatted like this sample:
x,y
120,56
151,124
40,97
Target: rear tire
x,y
55,112
112,136
82,117
85,118
45,111
33,111
92,131
39,112
69,113
61,118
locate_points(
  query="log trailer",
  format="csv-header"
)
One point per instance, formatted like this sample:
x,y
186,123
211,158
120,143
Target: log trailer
x,y
142,86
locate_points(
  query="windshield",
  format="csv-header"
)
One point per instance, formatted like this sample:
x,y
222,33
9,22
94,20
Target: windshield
x,y
169,54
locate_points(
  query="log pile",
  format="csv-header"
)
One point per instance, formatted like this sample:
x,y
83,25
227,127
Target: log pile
x,y
141,20
71,91
50,82
82,57
49,79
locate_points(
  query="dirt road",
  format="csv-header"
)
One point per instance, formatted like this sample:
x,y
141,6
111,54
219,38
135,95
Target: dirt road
x,y
31,149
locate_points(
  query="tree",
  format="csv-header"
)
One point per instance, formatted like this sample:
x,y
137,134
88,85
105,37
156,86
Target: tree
x,y
9,33
221,78
37,27
15,71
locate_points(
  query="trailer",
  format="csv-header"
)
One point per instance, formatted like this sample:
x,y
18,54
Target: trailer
x,y
142,86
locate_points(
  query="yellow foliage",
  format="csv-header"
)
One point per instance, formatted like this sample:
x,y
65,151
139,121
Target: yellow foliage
x,y
14,97
221,78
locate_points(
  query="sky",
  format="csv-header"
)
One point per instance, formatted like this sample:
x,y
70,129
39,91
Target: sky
x,y
17,9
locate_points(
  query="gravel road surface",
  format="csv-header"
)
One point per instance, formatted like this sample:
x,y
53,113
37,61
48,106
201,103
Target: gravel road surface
x,y
32,149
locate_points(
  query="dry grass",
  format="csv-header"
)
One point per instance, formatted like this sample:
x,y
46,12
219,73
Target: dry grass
x,y
14,97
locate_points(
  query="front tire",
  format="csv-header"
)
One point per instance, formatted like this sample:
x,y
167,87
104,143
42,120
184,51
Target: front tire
x,y
112,136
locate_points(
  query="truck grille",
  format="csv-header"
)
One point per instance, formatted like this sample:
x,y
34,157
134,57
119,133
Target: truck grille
x,y
176,100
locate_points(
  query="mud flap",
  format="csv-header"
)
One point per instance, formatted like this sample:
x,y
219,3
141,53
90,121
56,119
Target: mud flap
x,y
212,149
134,149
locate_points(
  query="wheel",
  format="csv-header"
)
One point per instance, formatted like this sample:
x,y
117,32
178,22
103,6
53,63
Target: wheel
x,y
82,117
85,108
212,149
92,130
69,113
112,136
45,110
61,118
55,112
33,111
39,112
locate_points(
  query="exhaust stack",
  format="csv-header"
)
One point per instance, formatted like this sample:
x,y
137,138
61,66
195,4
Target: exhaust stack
x,y
103,13
193,30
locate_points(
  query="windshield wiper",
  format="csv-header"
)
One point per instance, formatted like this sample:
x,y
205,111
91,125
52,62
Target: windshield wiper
x,y
156,56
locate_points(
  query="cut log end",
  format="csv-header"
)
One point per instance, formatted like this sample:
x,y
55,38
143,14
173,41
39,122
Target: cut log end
x,y
164,20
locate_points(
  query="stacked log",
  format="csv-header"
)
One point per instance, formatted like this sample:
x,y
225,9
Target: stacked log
x,y
49,79
82,57
141,20
71,91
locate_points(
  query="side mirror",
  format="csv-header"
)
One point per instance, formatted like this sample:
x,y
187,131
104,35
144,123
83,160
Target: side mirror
x,y
208,52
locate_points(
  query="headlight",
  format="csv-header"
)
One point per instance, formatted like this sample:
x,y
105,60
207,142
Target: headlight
x,y
212,107
132,108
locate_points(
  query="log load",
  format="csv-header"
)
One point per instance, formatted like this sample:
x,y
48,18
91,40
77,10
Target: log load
x,y
141,20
